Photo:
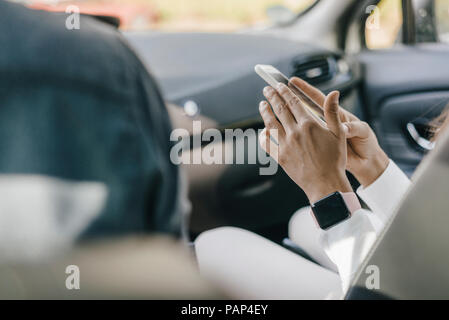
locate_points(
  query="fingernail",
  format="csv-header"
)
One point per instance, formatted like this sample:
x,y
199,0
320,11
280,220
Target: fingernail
x,y
345,128
337,95
279,86
267,90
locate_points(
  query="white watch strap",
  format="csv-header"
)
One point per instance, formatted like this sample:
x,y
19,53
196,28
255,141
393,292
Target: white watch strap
x,y
352,202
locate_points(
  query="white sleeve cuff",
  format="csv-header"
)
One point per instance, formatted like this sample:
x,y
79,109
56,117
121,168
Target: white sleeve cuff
x,y
348,243
384,194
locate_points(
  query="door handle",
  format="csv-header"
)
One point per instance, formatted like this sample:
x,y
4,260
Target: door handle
x,y
424,143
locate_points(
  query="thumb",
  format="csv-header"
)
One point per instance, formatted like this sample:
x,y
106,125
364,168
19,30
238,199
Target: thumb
x,y
331,113
357,129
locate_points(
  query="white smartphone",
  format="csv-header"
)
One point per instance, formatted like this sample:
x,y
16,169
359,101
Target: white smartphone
x,y
273,76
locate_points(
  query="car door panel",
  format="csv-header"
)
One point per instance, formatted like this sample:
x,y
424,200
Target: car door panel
x,y
394,115
400,86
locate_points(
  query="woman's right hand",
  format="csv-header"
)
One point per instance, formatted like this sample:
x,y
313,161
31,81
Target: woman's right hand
x,y
366,159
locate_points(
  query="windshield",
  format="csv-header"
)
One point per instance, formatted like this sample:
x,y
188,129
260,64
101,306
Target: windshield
x,y
186,15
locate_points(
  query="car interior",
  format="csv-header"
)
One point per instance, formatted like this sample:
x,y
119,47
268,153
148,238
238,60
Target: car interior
x,y
397,90
388,60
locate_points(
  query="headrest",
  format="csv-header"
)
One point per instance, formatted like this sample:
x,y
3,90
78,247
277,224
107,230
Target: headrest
x,y
129,268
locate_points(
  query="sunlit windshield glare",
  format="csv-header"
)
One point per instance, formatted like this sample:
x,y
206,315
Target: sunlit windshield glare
x,y
186,15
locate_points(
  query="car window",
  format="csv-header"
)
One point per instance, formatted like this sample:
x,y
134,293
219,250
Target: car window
x,y
442,19
186,15
383,26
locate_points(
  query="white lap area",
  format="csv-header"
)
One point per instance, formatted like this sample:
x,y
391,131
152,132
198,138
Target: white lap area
x,y
248,266
305,233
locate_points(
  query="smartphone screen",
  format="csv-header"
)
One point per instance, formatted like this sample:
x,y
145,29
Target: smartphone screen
x,y
273,76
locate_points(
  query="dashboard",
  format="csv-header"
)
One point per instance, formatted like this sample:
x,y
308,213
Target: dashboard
x,y
216,71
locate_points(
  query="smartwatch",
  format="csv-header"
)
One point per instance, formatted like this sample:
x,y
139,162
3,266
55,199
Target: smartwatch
x,y
335,208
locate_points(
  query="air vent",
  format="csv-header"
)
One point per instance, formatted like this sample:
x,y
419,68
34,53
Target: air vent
x,y
316,69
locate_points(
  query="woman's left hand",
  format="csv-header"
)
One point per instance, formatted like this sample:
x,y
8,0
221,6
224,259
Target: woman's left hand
x,y
313,155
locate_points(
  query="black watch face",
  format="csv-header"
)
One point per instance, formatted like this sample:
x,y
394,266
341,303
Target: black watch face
x,y
330,211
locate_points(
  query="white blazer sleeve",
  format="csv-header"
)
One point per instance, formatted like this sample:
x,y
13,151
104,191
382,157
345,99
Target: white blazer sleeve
x,y
348,243
384,194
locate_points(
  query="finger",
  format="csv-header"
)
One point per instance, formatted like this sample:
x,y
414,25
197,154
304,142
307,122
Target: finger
x,y
268,145
269,119
295,105
263,141
280,108
331,113
313,93
357,129
316,95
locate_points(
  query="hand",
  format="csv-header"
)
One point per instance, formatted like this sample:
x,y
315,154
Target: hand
x,y
313,155
366,159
